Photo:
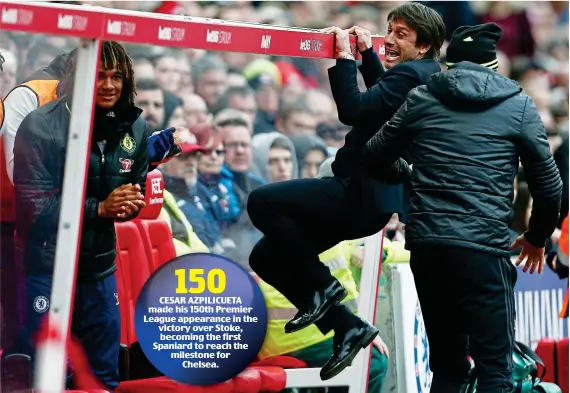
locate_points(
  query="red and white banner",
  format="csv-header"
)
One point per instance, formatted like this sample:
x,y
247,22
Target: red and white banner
x,y
169,30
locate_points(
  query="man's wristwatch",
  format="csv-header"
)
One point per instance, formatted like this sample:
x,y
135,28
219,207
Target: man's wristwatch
x,y
345,56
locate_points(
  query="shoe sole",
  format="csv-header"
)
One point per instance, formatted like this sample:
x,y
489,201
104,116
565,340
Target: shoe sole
x,y
334,302
363,343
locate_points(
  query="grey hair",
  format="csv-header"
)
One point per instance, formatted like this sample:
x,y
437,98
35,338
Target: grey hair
x,y
207,63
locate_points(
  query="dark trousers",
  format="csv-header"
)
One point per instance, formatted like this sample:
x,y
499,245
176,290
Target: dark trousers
x,y
468,307
96,323
301,219
11,288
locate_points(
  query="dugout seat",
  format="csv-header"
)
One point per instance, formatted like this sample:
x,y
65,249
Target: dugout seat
x,y
133,268
546,350
562,366
273,378
155,232
124,364
280,361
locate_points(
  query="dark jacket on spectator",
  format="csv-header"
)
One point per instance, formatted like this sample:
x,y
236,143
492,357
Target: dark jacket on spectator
x,y
39,154
243,233
465,131
198,210
367,112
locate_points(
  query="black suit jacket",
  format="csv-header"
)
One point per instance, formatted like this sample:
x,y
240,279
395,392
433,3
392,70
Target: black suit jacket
x,y
367,112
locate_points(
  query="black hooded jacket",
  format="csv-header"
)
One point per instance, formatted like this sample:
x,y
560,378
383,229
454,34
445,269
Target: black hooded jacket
x,y
465,131
39,161
54,71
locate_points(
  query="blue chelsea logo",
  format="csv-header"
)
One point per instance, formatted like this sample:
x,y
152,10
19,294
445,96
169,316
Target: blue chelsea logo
x,y
421,353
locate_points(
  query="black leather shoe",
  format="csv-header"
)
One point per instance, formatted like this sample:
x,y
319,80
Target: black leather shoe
x,y
321,302
346,347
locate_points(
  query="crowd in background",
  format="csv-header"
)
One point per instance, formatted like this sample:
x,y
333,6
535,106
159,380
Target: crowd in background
x,y
246,120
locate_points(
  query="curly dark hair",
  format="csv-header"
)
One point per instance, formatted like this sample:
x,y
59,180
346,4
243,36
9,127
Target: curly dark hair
x,y
1,62
113,56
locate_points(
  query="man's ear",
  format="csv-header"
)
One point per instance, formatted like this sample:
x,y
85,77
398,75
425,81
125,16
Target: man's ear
x,y
424,49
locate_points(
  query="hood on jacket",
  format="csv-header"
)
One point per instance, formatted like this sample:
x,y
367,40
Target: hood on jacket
x,y
54,70
325,170
304,143
261,144
471,87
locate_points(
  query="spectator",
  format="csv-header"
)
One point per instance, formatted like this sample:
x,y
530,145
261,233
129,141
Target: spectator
x,y
176,119
517,39
167,70
237,176
296,118
229,114
321,105
144,69
311,152
181,180
240,98
209,174
185,239
185,68
195,111
333,138
171,104
274,157
209,74
150,98
264,77
39,55
235,79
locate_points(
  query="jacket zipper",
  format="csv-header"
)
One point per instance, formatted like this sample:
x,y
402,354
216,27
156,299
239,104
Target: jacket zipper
x,y
103,160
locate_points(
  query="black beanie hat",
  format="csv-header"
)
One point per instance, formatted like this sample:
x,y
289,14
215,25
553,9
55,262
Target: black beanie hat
x,y
477,44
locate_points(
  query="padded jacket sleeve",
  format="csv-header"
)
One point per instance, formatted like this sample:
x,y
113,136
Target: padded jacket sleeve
x,y
355,106
389,144
542,176
37,178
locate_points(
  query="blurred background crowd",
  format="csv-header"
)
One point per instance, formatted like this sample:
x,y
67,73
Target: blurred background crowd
x,y
246,120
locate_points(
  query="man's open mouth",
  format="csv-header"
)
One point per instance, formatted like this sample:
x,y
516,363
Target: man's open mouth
x,y
392,55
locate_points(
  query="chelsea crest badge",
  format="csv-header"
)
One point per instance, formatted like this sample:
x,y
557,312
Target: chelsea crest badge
x,y
128,144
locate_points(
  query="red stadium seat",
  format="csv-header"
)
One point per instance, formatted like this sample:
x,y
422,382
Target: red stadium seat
x,y
155,232
157,385
125,319
134,269
562,366
273,379
166,385
248,381
280,361
134,266
222,387
546,350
